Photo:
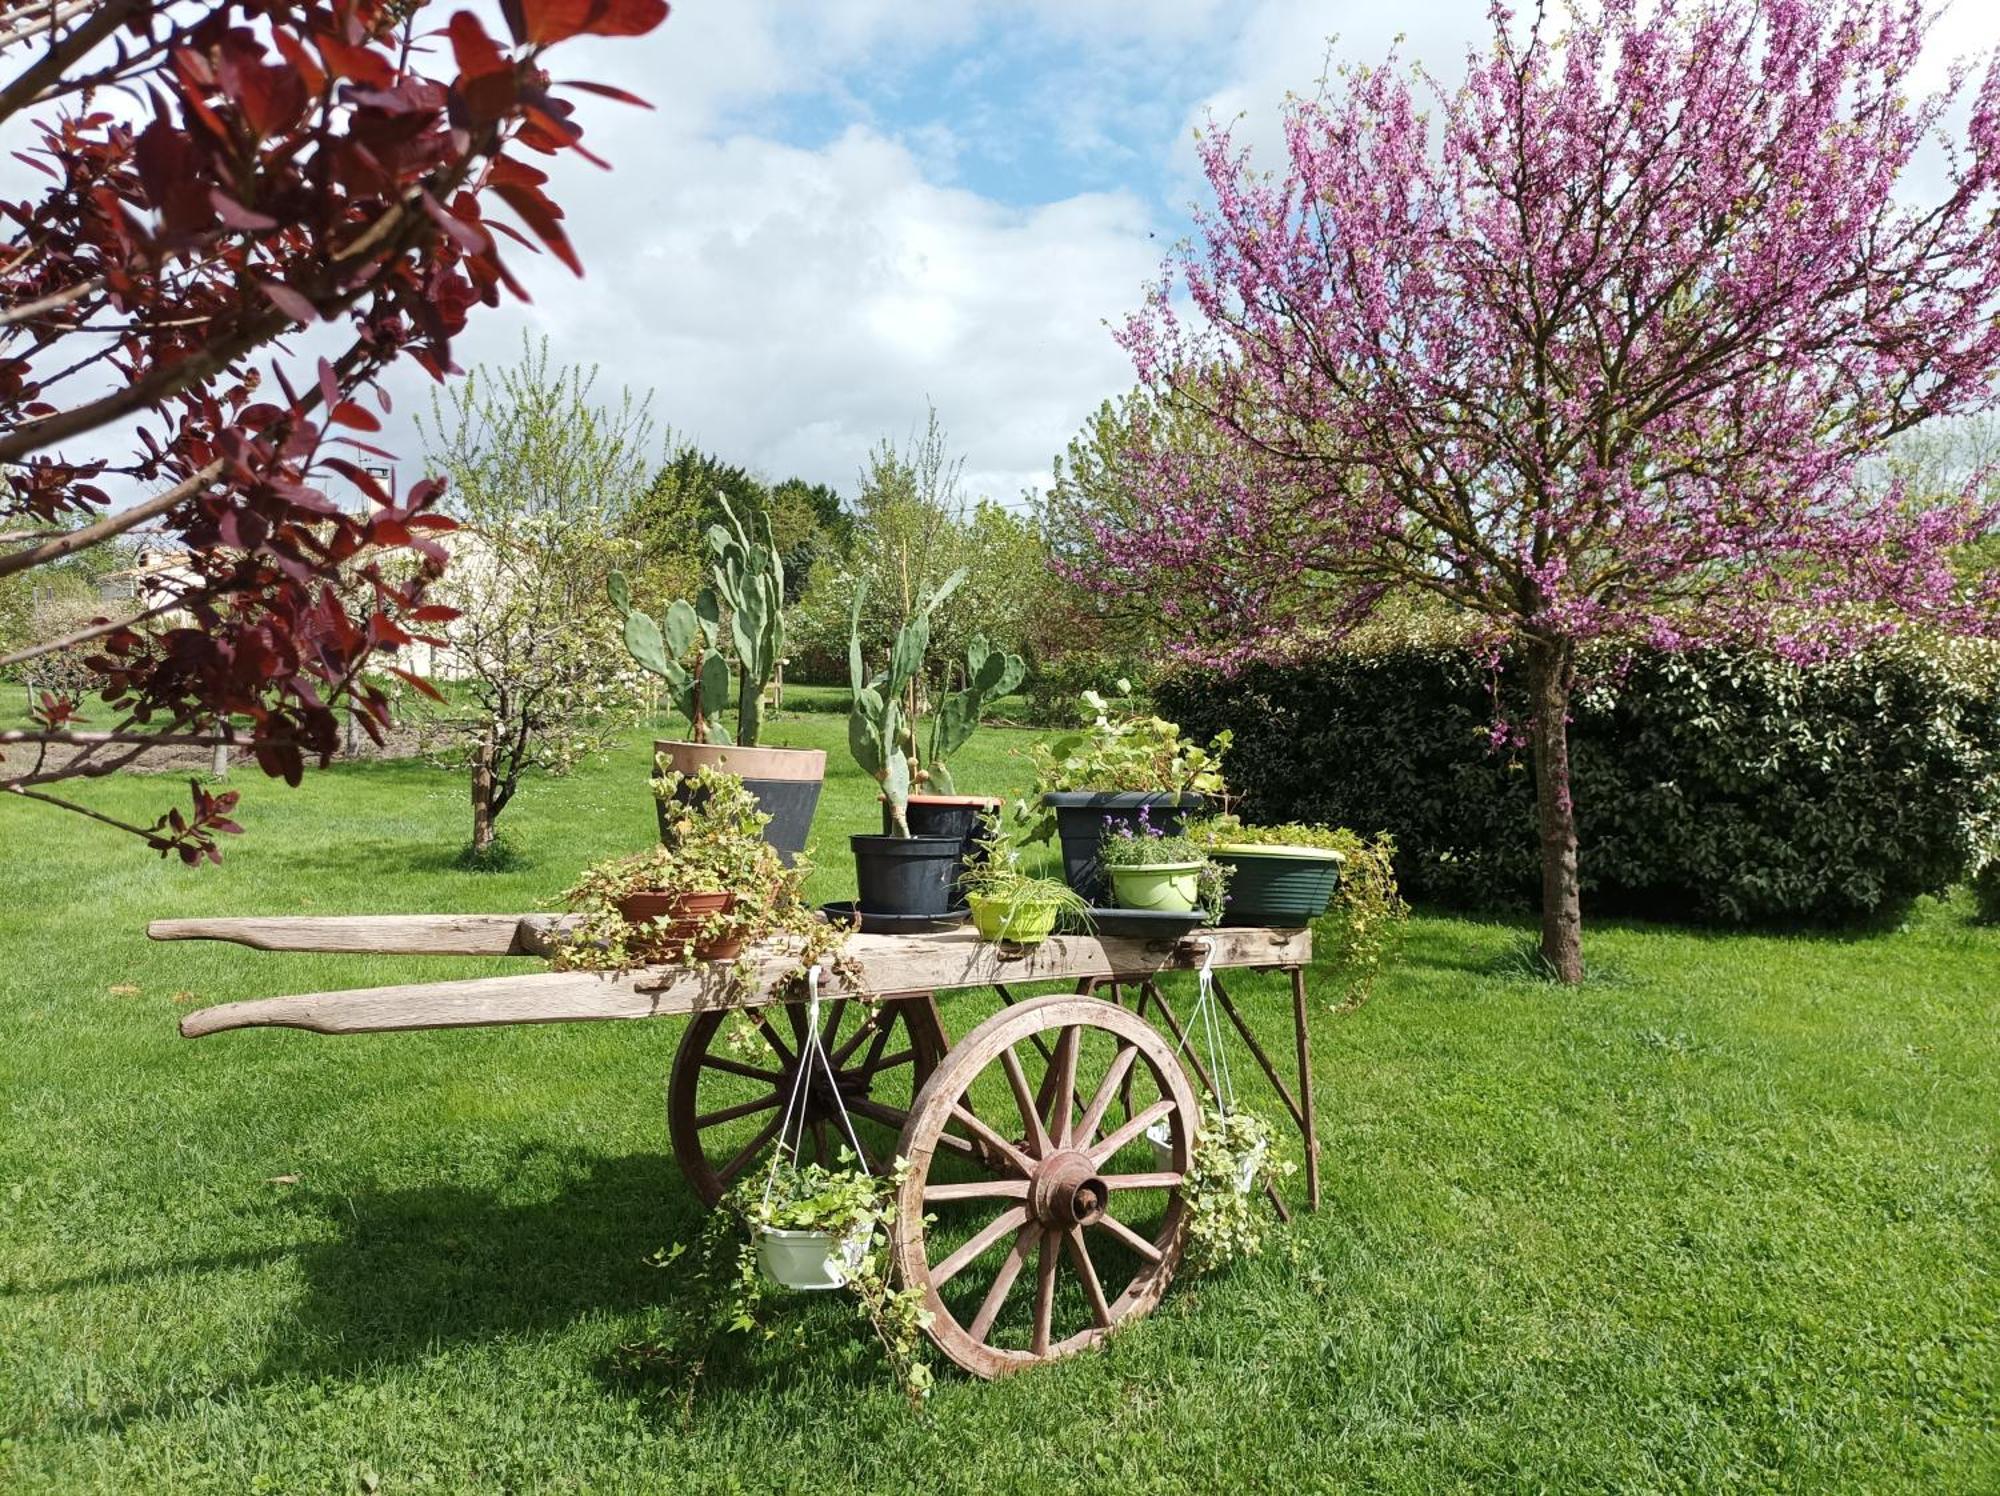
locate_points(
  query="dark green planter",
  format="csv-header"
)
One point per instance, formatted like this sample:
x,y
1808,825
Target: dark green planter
x,y
1280,886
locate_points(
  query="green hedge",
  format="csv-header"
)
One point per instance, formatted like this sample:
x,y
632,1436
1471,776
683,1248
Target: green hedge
x,y
1718,784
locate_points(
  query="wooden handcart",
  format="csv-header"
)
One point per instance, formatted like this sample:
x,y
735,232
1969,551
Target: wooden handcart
x,y
1057,1129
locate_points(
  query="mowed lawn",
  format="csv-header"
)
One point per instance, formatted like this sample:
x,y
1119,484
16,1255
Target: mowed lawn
x,y
1725,1219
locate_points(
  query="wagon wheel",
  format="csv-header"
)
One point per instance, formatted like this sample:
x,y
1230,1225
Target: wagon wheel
x,y
1034,1173
724,1108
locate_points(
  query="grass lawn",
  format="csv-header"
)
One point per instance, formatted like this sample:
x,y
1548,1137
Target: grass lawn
x,y
1726,1218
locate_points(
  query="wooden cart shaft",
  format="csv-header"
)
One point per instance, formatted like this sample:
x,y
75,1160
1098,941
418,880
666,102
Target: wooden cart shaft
x,y
871,966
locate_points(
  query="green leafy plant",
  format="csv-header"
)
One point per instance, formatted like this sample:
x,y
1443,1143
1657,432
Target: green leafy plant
x,y
1125,844
1123,750
989,674
713,842
731,1294
1357,936
879,732
1235,1156
997,875
683,646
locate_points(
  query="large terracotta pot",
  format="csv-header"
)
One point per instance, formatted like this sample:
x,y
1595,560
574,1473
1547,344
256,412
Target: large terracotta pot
x,y
785,781
686,911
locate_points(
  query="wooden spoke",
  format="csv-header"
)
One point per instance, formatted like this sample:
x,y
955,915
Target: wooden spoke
x,y
737,1067
1093,1290
878,1020
742,1109
714,1101
1038,1136
1114,1076
978,1189
1128,1236
1010,1219
1063,1103
785,1056
1047,1186
1045,1292
989,1307
1110,1146
887,1062
1006,1151
832,1025
728,1172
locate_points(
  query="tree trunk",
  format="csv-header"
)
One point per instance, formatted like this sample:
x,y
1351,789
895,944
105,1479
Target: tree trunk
x,y
219,764
1551,674
482,794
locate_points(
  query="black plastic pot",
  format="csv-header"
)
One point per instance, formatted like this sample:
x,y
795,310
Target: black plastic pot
x,y
956,816
905,874
785,781
1277,889
1081,817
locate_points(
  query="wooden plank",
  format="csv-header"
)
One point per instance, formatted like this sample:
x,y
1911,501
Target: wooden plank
x,y
874,965
377,934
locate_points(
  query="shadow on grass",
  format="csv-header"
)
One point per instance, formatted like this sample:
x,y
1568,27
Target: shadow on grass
x,y
417,1271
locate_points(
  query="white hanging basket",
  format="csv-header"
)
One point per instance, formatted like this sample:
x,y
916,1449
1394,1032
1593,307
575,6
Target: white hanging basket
x,y
1161,1136
811,1260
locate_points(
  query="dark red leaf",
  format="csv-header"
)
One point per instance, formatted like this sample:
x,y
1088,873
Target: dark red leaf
x,y
347,413
418,682
289,301
607,91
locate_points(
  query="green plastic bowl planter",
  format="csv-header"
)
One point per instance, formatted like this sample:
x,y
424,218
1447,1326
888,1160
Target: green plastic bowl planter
x,y
1003,920
1170,886
810,1260
1283,887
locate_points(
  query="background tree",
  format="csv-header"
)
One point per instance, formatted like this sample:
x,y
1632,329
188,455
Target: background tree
x,y
540,474
1590,344
221,175
913,525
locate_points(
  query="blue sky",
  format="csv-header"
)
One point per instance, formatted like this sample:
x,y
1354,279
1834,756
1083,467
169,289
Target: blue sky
x,y
843,209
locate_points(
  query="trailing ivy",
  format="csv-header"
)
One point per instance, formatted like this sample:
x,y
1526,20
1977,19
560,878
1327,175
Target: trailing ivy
x,y
1717,784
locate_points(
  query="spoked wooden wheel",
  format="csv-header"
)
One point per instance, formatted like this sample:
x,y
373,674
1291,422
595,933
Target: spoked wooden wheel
x,y
1029,1145
724,1107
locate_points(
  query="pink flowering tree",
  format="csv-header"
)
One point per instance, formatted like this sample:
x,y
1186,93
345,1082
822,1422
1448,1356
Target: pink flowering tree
x,y
1590,344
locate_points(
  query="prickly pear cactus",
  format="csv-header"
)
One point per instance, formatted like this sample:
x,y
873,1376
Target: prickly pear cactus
x,y
989,675
681,649
876,733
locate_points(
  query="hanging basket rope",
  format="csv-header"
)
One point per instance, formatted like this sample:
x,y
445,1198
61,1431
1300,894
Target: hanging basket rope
x,y
791,1131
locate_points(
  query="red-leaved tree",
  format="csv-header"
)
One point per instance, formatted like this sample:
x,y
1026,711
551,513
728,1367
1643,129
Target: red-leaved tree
x,y
1589,344
230,182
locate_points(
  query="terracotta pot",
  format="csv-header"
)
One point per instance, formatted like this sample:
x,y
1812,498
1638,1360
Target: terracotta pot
x,y
785,781
686,911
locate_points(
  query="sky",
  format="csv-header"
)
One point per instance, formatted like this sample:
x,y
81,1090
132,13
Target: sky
x,y
841,209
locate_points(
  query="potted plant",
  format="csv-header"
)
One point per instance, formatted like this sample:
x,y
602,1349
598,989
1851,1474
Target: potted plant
x,y
937,809
1235,1157
684,648
801,1227
813,1227
1283,876
898,873
1162,872
1011,907
1122,763
713,884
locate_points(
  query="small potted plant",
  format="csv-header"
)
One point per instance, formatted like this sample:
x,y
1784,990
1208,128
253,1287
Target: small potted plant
x,y
899,874
1235,1157
1282,876
684,648
812,1229
935,808
1014,908
1160,872
1124,762
711,885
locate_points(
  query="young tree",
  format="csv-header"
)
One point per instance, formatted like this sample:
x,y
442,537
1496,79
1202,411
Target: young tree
x,y
1590,344
222,174
540,474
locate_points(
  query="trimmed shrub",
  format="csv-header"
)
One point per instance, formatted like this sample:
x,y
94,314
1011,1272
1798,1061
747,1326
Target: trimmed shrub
x,y
1986,894
1720,784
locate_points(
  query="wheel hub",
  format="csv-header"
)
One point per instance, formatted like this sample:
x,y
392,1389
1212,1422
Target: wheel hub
x,y
1066,1190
